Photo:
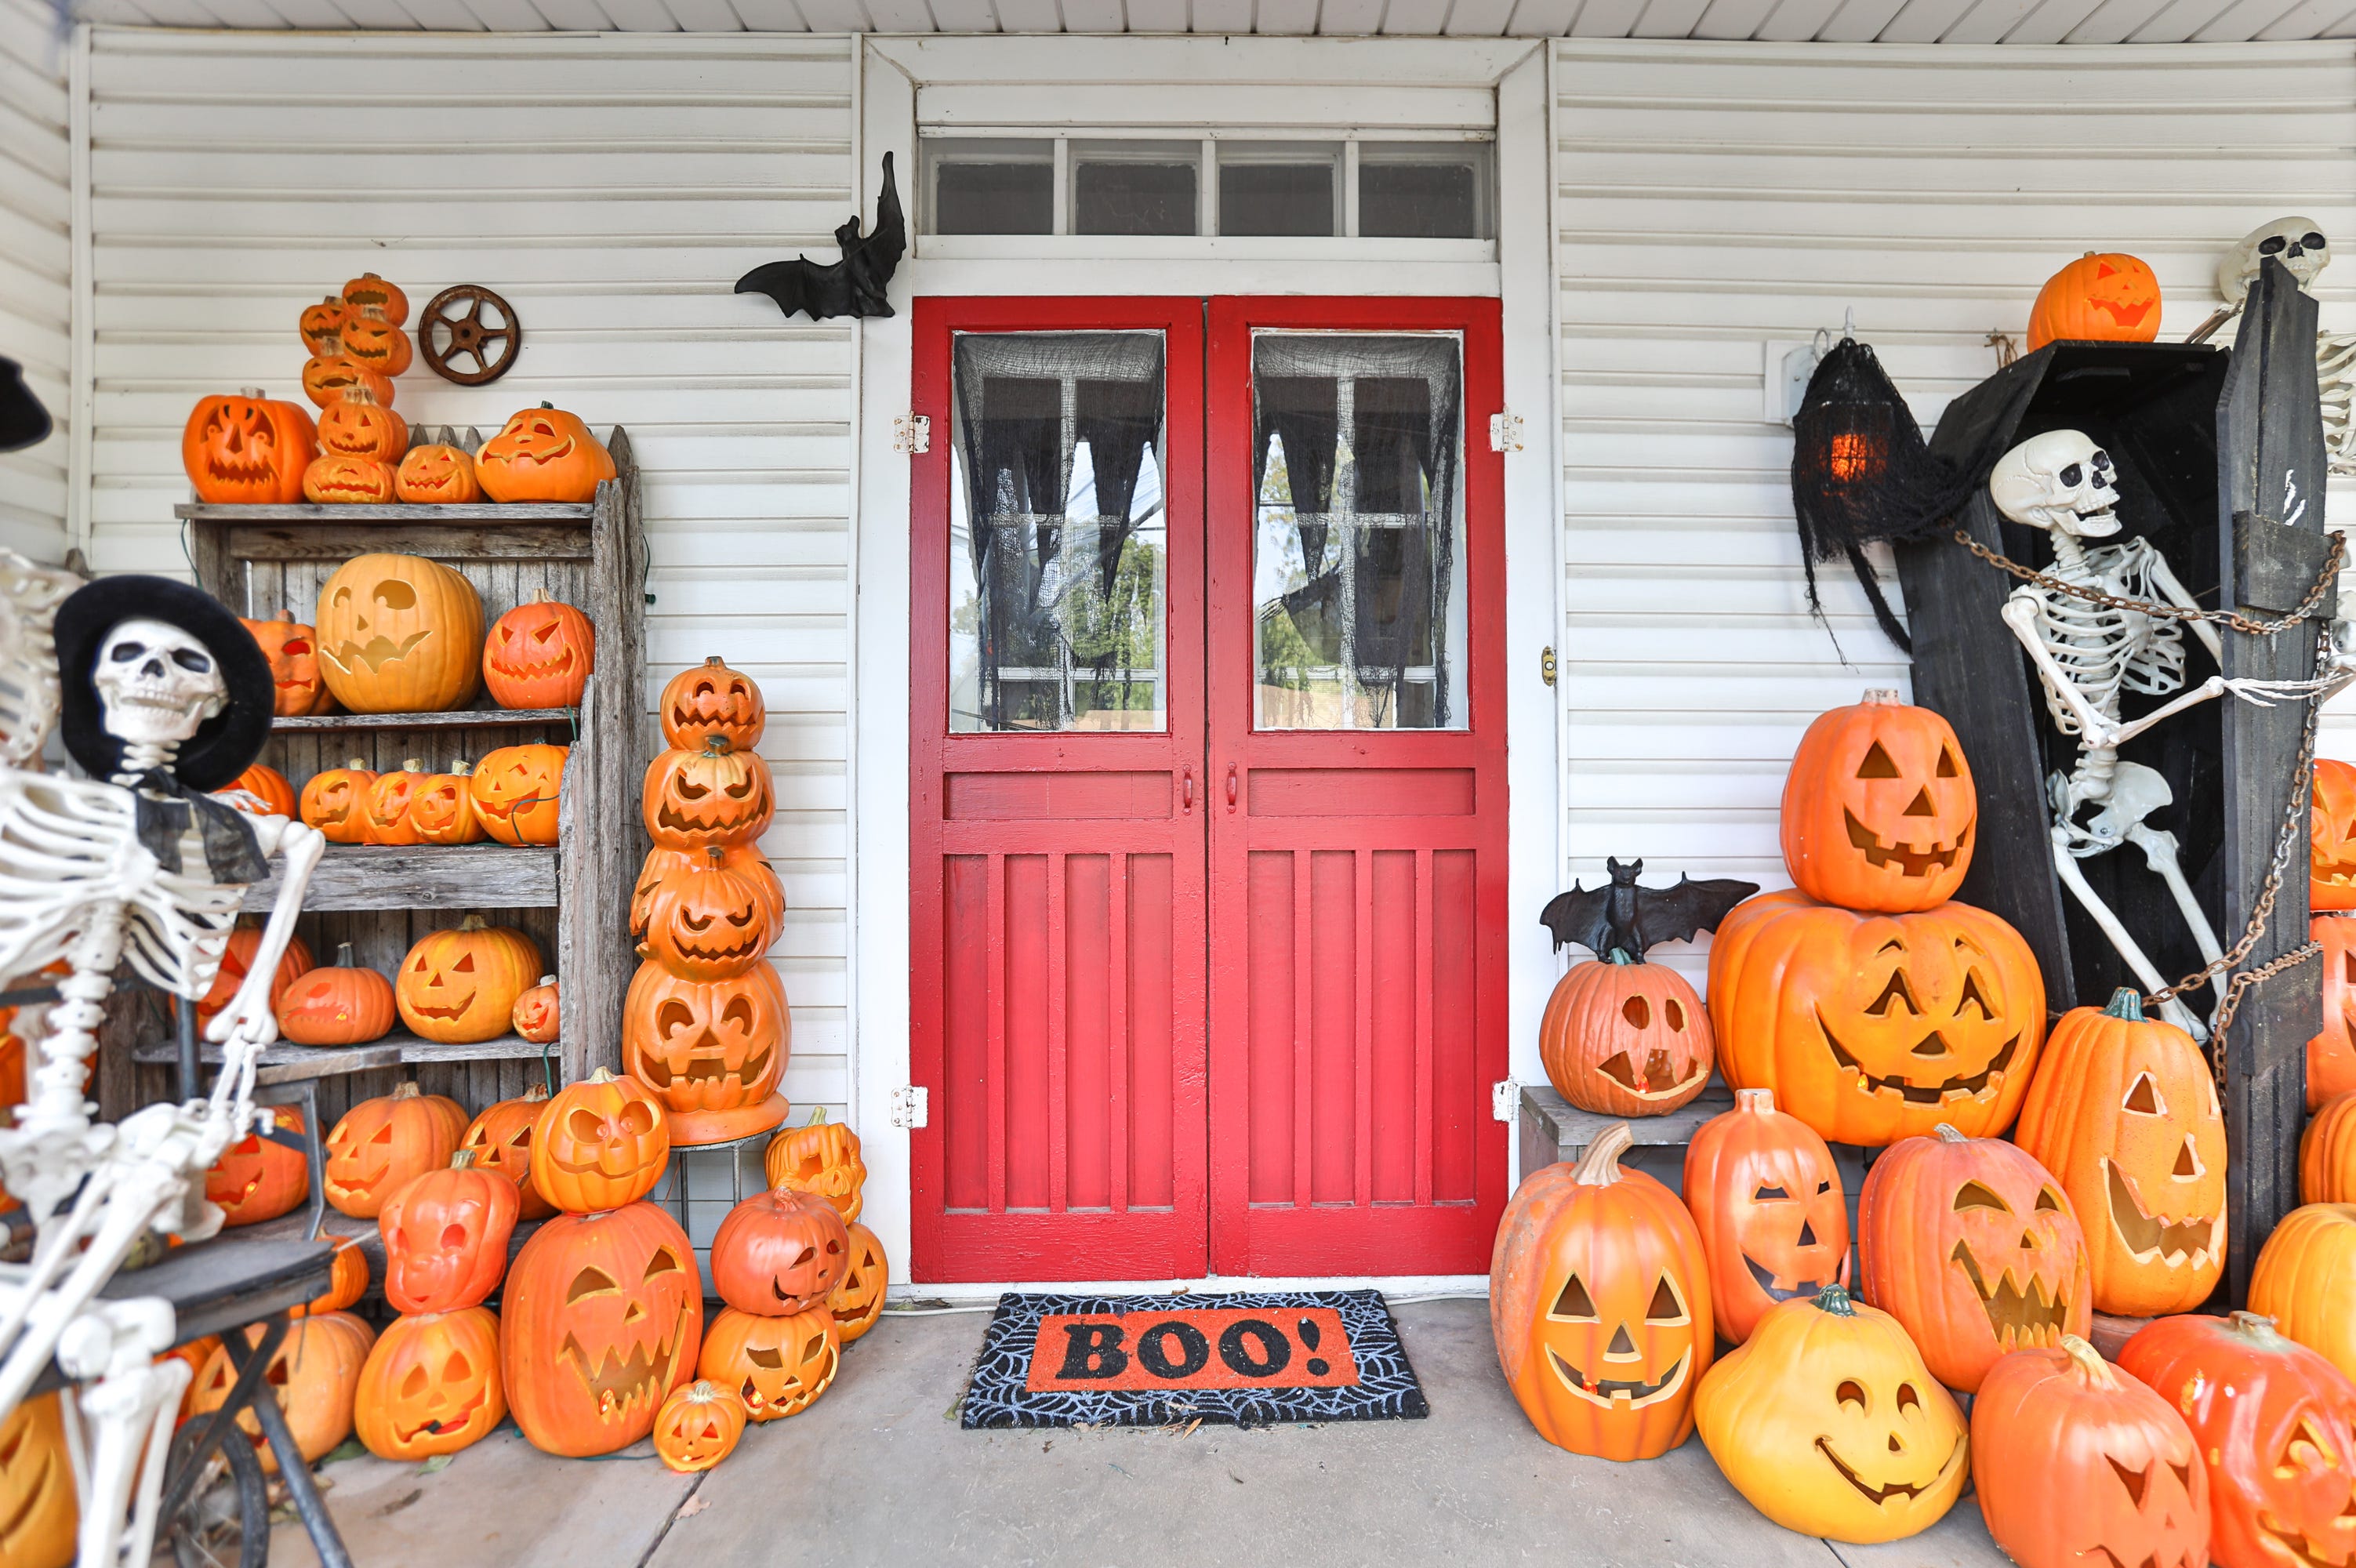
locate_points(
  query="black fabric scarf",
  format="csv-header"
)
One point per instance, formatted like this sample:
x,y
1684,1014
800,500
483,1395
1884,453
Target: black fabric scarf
x,y
162,810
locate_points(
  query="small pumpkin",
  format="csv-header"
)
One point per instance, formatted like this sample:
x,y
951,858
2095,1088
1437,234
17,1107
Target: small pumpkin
x,y
269,786
237,958
1878,809
599,1144
343,1003
431,1385
331,480
330,372
399,634
2331,837
459,986
822,1159
2305,1279
518,792
255,1179
39,1512
693,800
1623,1037
1767,1200
2104,296
858,1301
538,655
436,475
315,1376
536,1013
698,1426
356,425
602,1317
372,339
780,1252
446,1236
543,455
442,810
322,321
778,1366
387,804
336,802
293,650
380,1144
248,450
348,1277
2331,1055
370,292
709,699
500,1141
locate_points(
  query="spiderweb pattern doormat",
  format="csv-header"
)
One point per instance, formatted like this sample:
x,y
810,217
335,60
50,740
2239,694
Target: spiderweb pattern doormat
x,y
1246,1359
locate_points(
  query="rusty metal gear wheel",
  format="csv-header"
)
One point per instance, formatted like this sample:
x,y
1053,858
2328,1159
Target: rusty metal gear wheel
x,y
453,327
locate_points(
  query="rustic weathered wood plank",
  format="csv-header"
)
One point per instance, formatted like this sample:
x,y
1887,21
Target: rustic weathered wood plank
x,y
1553,1129
487,514
443,877
471,718
444,541
283,1063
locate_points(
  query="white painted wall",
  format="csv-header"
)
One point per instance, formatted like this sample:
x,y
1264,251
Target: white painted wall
x,y
36,266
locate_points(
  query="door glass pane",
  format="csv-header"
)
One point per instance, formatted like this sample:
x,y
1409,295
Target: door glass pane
x,y
1357,560
991,185
1280,188
1058,540
1135,188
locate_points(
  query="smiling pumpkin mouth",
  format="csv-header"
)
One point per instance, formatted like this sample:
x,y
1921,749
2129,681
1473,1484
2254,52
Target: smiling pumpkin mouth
x,y
1882,1494
562,449
619,1382
2173,1241
376,652
2018,1319
444,1013
1657,1081
2299,1545
1962,1087
703,1067
1765,1280
1910,861
1606,1391
436,1426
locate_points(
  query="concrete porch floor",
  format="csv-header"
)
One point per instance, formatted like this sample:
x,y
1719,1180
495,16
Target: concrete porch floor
x,y
879,1473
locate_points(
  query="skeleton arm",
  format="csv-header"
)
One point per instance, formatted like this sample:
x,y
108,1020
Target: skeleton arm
x,y
249,1016
2163,577
2022,613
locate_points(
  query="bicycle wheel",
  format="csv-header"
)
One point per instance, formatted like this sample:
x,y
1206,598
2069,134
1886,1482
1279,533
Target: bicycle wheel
x,y
225,1523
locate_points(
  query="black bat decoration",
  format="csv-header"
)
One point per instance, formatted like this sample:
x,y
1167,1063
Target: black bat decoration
x,y
1632,919
23,421
852,286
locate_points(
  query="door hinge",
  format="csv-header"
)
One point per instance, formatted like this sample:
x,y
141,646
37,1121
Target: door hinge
x,y
1504,1100
1505,432
912,434
911,1106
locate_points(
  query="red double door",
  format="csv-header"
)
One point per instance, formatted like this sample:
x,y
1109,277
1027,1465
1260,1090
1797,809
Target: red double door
x,y
1208,820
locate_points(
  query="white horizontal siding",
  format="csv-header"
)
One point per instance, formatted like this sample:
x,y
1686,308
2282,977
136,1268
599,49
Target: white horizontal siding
x,y
613,189
1713,198
36,267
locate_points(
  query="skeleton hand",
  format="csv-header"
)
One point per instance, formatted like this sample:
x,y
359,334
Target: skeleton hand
x,y
249,1016
2264,694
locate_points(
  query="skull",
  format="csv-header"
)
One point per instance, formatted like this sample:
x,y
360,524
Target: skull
x,y
157,683
2297,243
2060,481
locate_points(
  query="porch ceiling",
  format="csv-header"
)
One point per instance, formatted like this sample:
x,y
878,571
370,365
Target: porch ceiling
x,y
1828,21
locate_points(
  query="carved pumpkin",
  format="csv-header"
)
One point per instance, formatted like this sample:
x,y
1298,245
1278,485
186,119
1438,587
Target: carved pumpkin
x,y
321,322
2109,297
2078,1463
518,792
459,986
2305,1279
717,1046
1621,1037
336,802
340,1005
267,785
356,425
599,1144
1973,1246
446,1236
1878,808
539,656
330,372
383,1142
1767,1200
331,480
387,804
315,1376
372,339
657,898
710,699
248,450
2125,1113
778,1366
431,1385
2326,1153
348,1277
822,1159
709,921
441,808
1876,1027
255,1179
436,474
698,1426
398,634
536,1014
2331,1055
543,455
604,1313
38,1512
292,651
192,1355
715,796
858,1301
780,1252
1599,1301
1828,1422
2331,837
237,958
368,291
500,1141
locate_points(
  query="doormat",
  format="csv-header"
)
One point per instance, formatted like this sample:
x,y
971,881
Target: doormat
x,y
1246,1359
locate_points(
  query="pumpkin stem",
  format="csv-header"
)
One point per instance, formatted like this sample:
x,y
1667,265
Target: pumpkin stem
x,y
1756,1102
357,394
2125,1002
407,1091
1883,697
343,955
603,1075
1947,1135
2088,1362
462,1160
1600,1166
551,407
548,980
462,768
716,746
537,1091
473,923
356,764
2257,1325
1836,1300
712,660
412,765
1618,955
255,394
818,1114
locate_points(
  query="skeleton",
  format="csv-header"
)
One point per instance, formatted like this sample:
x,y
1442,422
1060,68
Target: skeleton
x,y
2298,243
77,883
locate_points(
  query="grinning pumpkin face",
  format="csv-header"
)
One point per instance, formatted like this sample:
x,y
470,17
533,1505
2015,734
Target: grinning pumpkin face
x,y
356,425
442,810
779,1366
400,634
706,1045
712,699
699,1426
331,480
436,474
380,1143
710,921
517,791
538,1015
858,1301
389,800
432,1385
460,986
543,455
370,292
599,1144
602,1315
822,1159
500,1140
255,1179
2331,837
1878,809
2106,296
539,656
248,448
376,342
658,875
1767,1198
1626,1038
321,322
779,1252
315,1376
293,656
693,800
336,802
331,372
38,1512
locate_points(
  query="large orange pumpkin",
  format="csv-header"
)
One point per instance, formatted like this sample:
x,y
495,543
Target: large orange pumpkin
x,y
356,425
372,339
370,292
1878,808
711,920
1599,1300
331,480
292,651
315,1376
599,1144
399,634
821,1158
335,801
2305,1279
1875,1027
446,1236
330,372
518,792
237,958
248,450
500,1141
459,986
698,1426
2331,837
1972,1245
442,810
712,1049
858,1301
38,1511
543,455
780,1252
1623,1037
344,1003
436,474
1767,1200
602,1317
716,796
380,1144
710,699
255,1179
387,804
539,656
536,1015
2106,296
431,1385
779,1366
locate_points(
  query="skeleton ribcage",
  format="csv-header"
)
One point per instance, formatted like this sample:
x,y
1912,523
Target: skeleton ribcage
x,y
2103,650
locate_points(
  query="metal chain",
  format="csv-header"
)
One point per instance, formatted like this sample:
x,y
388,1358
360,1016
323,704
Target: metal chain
x,y
2239,622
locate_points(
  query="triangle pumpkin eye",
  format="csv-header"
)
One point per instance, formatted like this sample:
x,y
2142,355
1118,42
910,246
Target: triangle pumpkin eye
x,y
2143,1099
2133,1480
1947,769
1574,1301
1975,1194
1665,1306
1877,764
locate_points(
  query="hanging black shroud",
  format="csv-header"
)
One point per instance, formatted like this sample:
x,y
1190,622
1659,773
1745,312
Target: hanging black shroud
x,y
852,286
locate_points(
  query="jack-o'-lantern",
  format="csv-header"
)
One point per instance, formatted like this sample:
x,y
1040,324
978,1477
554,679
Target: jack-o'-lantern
x,y
331,480
370,292
264,784
1878,808
236,960
708,1045
441,808
431,1385
38,1513
651,897
822,1159
2125,1113
517,791
698,1426
2305,1279
500,1141
2331,1055
543,455
335,801
372,339
399,634
322,321
539,656
1973,1246
436,474
387,804
2109,296
293,650
602,1315
709,921
2275,1425
1876,1027
710,699
2076,1463
255,1179
192,1355
381,1144
1621,1037
459,986
348,1277
342,1004
356,425
599,1144
537,1015
446,1236
858,1301
779,1366
1767,1199
315,1376
1826,1420
2326,1153
329,373
248,450
1599,1300
715,796
780,1252
2331,837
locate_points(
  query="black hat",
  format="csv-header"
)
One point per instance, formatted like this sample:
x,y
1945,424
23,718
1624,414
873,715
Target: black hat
x,y
228,743
23,421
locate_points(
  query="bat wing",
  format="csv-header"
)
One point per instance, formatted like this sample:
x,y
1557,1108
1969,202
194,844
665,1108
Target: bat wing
x,y
1675,914
1580,917
797,284
890,241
